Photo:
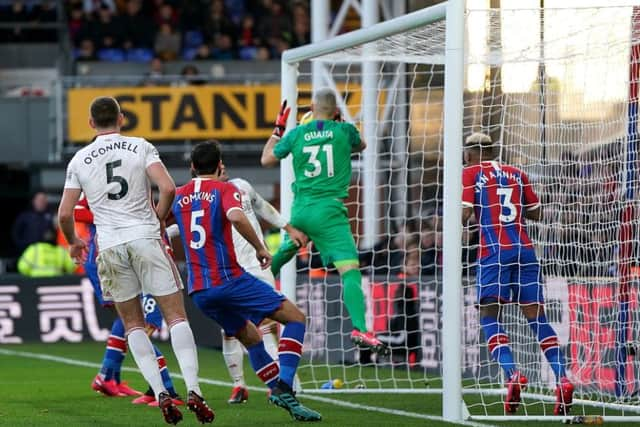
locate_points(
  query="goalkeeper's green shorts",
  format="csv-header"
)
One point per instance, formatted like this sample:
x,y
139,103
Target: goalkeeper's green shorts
x,y
326,222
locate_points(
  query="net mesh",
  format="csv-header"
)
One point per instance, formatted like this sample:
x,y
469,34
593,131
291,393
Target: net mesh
x,y
553,89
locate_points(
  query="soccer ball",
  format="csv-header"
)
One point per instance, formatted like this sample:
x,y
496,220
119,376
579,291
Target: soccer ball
x,y
306,118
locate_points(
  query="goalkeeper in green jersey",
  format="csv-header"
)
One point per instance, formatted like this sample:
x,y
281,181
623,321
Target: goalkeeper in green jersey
x,y
321,151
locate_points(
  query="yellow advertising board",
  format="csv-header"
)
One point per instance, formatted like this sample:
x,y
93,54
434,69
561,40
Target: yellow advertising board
x,y
225,112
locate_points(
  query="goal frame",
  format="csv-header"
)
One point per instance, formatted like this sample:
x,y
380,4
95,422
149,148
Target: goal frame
x,y
452,407
454,13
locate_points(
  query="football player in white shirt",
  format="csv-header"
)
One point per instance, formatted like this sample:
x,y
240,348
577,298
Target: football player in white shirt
x,y
252,204
114,172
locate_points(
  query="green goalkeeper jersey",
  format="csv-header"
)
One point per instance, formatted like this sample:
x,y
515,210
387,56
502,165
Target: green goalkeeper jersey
x,y
321,151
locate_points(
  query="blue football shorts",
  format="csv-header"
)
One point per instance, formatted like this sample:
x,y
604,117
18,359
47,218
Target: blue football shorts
x,y
238,301
510,276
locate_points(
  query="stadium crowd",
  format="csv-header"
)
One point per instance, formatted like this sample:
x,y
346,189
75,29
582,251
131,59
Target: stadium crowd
x,y
139,30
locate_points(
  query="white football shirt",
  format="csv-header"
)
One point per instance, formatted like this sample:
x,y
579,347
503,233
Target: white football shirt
x,y
111,171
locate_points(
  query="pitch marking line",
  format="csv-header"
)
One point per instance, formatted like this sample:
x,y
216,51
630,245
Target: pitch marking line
x,y
344,404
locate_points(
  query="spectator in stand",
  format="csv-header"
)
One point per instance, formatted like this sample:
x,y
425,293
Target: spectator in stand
x,y
138,28
92,6
410,268
223,48
203,53
45,258
218,22
166,14
106,29
263,54
279,46
87,51
31,225
275,24
168,42
191,17
76,23
191,75
248,36
16,13
156,74
46,13
301,33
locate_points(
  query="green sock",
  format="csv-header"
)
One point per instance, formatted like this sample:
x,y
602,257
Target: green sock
x,y
286,251
354,298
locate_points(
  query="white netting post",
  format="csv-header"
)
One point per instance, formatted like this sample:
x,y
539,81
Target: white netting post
x,y
452,218
289,89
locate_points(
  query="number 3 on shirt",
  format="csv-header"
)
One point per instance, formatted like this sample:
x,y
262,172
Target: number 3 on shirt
x,y
197,229
313,151
506,204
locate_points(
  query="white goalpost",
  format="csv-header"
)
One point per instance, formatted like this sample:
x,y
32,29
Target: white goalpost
x,y
557,90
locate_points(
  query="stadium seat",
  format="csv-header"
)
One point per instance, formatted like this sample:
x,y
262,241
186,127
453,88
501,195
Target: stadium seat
x,y
248,53
139,55
111,55
192,39
189,54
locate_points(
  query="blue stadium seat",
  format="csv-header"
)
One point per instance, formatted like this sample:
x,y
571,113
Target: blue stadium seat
x,y
111,55
248,53
192,39
189,54
139,55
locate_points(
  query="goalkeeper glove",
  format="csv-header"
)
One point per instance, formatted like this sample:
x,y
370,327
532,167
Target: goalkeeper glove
x,y
281,120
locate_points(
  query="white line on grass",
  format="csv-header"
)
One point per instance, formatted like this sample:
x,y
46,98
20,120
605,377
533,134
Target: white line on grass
x,y
344,404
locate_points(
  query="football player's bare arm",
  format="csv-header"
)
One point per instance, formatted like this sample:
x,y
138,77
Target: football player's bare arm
x,y
77,247
242,224
159,175
268,159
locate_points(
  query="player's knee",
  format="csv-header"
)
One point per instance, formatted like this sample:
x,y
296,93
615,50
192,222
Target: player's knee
x,y
489,307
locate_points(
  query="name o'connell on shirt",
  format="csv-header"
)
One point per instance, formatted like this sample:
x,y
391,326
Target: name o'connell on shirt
x,y
116,145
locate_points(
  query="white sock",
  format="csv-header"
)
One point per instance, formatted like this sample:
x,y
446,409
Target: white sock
x,y
232,353
145,358
270,344
184,347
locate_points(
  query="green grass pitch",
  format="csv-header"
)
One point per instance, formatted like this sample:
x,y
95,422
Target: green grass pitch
x,y
39,392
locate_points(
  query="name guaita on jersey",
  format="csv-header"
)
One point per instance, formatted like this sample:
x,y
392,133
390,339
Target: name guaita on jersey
x,y
496,174
200,195
318,134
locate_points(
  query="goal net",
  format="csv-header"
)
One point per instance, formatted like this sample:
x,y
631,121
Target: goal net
x,y
557,90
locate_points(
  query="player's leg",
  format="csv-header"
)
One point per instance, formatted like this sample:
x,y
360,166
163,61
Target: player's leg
x,y
331,233
159,277
494,288
233,355
106,381
531,301
290,351
251,300
286,251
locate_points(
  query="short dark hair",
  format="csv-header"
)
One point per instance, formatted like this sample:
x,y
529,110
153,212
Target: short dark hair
x,y
205,157
105,111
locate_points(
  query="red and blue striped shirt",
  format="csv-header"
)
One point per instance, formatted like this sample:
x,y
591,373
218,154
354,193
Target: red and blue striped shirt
x,y
201,208
499,194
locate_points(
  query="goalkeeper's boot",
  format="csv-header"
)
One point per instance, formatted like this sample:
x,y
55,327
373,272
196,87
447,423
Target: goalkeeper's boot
x,y
170,411
106,387
564,397
283,396
368,341
239,394
198,406
516,383
125,390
